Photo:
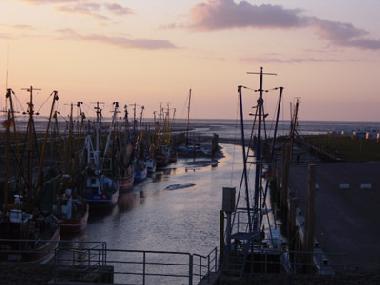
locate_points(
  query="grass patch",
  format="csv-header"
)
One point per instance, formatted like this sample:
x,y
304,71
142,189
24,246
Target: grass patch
x,y
346,148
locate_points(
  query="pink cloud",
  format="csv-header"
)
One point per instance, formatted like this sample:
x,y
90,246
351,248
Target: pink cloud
x,y
214,15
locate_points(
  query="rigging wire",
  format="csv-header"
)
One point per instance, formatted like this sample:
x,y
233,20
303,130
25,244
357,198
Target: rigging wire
x,y
19,103
236,126
44,102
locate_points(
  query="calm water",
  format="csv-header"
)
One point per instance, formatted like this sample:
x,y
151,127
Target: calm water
x,y
152,218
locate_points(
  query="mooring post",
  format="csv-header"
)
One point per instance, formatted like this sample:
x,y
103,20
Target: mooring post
x,y
310,218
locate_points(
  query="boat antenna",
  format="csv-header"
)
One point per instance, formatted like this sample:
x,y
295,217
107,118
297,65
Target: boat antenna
x,y
7,72
188,118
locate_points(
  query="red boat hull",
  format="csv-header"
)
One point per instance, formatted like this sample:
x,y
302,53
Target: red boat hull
x,y
126,184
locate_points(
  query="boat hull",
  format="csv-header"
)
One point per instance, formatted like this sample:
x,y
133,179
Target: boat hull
x,y
74,226
141,175
126,184
151,166
101,192
103,202
42,254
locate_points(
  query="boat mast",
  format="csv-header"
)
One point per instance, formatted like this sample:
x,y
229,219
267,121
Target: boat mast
x,y
126,125
134,119
244,159
188,118
70,141
42,154
111,129
98,122
293,125
7,125
12,114
174,112
126,121
258,172
81,117
141,116
30,135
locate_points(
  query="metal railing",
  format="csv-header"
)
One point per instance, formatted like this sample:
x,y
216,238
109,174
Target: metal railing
x,y
203,266
267,260
141,266
39,251
80,260
137,266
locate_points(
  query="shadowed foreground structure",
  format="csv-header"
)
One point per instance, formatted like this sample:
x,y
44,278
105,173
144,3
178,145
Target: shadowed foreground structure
x,y
347,227
43,274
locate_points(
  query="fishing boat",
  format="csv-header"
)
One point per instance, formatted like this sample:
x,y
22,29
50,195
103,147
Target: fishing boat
x,y
249,234
28,233
28,238
72,212
70,224
127,179
127,176
151,165
141,171
162,156
173,156
70,208
164,153
99,189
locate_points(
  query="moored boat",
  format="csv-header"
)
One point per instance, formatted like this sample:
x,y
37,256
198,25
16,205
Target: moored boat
x,y
141,171
151,165
162,156
101,191
127,180
78,222
28,238
29,233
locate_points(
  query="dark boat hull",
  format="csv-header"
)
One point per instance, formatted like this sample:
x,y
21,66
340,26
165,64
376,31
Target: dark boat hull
x,y
162,160
141,175
103,202
74,226
41,254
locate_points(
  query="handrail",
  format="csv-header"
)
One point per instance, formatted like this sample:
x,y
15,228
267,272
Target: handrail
x,y
89,257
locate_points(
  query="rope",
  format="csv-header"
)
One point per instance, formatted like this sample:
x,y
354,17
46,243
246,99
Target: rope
x,y
234,145
19,103
44,102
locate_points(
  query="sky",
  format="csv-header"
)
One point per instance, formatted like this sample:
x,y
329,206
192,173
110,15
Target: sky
x,y
326,53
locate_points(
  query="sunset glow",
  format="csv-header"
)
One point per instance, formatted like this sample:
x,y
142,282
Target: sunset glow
x,y
326,52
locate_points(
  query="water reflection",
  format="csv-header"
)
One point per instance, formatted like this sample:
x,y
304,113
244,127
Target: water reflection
x,y
151,218
129,200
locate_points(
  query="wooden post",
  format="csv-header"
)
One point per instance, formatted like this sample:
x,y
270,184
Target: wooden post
x,y
310,218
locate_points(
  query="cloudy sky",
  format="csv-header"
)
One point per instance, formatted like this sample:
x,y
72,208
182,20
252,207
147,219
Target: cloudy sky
x,y
325,52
